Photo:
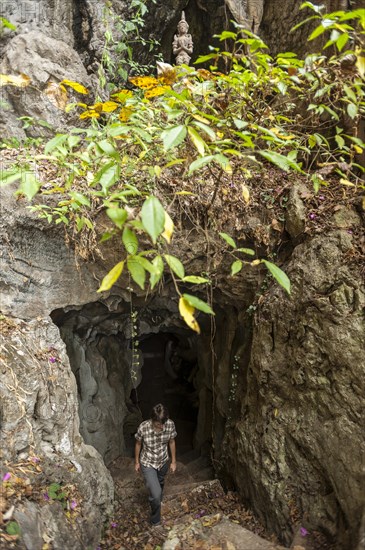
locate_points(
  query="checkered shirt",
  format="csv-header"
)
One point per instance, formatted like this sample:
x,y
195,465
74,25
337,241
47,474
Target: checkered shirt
x,y
154,444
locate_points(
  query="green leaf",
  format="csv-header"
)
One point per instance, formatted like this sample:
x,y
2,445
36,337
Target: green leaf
x,y
227,34
340,141
146,264
29,185
118,216
197,140
326,23
240,124
106,147
173,136
137,271
108,175
52,144
195,280
72,141
175,265
130,241
228,240
315,7
198,303
54,487
153,217
79,198
155,277
207,129
278,275
352,110
13,529
198,163
236,267
350,93
342,41
5,23
281,161
111,277
204,58
248,251
9,176
223,162
106,236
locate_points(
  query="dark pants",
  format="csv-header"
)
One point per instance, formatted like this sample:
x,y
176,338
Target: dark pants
x,y
154,480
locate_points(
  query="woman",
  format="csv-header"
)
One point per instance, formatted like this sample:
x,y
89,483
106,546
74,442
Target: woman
x,y
153,439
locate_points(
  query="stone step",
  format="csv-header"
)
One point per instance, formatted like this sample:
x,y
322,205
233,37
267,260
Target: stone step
x,y
215,531
173,491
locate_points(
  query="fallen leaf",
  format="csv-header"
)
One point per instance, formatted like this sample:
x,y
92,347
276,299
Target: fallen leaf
x,y
276,225
20,81
9,514
211,520
245,194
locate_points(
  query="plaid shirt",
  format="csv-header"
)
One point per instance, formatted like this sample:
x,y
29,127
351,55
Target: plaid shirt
x,y
154,443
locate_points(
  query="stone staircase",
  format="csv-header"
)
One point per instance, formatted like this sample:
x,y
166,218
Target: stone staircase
x,y
196,513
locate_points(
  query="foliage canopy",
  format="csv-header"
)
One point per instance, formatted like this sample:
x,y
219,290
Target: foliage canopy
x,y
301,115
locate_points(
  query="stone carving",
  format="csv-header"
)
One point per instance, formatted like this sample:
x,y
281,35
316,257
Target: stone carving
x,y
182,45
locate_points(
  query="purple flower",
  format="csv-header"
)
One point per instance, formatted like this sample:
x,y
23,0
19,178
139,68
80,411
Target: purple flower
x,y
6,476
303,531
113,524
73,504
52,359
35,459
321,197
312,216
200,514
45,496
349,231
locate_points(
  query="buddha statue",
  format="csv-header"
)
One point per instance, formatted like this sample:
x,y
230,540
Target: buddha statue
x,y
182,45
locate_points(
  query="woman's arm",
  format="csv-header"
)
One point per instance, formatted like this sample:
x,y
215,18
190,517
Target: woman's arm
x,y
137,450
172,446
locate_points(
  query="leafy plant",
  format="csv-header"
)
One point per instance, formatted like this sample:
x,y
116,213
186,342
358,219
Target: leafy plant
x,y
55,492
6,25
205,124
121,37
13,529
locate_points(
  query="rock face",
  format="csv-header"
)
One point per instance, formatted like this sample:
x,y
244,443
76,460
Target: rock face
x,y
54,40
44,60
39,417
299,441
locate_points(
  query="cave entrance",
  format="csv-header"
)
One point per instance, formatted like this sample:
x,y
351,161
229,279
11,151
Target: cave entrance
x,y
169,376
119,379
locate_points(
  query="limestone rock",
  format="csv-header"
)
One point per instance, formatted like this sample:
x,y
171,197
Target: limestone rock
x,y
300,438
44,60
295,213
216,532
39,412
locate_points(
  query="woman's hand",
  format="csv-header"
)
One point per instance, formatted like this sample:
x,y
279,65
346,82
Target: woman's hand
x,y
137,467
173,467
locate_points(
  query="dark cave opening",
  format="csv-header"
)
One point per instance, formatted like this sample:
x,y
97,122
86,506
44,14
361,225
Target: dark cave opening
x,y
115,392
168,373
